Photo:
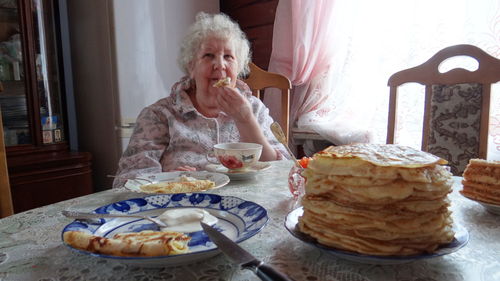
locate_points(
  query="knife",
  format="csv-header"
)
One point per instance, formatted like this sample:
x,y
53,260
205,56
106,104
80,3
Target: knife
x,y
238,255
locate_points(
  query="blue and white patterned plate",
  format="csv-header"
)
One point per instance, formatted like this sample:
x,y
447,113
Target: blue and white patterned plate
x,y
238,219
460,240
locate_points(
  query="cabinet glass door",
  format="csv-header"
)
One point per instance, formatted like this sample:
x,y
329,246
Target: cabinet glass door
x,y
13,99
47,72
29,72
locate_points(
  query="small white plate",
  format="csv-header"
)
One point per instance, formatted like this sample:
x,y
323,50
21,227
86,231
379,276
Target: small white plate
x,y
238,219
135,184
239,175
492,208
461,238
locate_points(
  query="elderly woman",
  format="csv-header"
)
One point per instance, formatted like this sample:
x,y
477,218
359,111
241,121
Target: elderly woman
x,y
176,132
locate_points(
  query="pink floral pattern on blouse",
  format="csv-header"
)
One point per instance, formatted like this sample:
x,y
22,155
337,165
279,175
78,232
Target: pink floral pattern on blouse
x,y
172,133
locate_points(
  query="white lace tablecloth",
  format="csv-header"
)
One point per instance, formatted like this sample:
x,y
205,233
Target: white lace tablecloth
x,y
31,247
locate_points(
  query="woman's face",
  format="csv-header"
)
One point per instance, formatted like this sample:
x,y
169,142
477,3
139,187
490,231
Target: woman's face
x,y
214,60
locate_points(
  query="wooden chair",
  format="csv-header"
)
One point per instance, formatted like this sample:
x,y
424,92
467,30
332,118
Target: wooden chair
x,y
260,79
6,208
457,103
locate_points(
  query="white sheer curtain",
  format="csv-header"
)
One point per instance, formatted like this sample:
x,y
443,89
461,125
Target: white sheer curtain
x,y
369,41
302,51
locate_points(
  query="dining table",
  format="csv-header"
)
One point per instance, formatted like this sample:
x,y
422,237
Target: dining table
x,y
31,247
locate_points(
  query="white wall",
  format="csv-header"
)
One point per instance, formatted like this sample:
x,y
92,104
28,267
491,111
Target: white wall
x,y
147,36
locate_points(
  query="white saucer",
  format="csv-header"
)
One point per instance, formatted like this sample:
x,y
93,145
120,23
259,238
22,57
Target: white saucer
x,y
239,175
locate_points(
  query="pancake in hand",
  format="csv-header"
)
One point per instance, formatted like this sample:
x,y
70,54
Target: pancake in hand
x,y
377,199
223,82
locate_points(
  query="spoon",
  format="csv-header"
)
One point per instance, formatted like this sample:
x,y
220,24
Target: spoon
x,y
280,136
80,215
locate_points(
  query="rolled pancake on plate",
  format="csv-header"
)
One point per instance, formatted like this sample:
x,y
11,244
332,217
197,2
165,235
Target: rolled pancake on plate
x,y
135,244
377,199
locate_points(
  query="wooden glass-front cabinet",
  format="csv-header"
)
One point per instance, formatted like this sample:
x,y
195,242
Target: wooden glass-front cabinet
x,y
35,101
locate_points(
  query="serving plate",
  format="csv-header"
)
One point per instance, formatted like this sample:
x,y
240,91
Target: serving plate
x,y
238,219
492,208
252,171
135,184
461,238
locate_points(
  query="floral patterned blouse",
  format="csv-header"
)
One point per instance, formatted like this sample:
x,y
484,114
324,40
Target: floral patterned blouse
x,y
172,133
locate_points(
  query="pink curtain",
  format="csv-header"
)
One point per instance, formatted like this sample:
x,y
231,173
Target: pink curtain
x,y
301,47
303,51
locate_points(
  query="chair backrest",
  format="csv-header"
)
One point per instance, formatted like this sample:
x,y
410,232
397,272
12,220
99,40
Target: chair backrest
x,y
457,104
260,79
6,208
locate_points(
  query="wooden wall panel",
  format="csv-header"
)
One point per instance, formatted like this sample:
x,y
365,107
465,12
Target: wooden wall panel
x,y
47,178
256,18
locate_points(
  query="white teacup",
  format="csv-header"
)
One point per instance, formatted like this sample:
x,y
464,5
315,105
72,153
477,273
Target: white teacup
x,y
237,156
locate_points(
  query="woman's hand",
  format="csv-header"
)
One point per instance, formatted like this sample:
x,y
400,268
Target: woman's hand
x,y
185,168
239,108
234,104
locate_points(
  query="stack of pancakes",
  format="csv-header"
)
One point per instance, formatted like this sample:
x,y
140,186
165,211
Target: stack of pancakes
x,y
377,199
482,181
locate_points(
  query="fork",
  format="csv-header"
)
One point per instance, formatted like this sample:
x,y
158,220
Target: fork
x,y
133,179
81,215
280,136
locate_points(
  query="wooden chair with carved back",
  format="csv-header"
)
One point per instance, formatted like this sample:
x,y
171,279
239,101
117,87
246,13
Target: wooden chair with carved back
x,y
6,208
260,79
457,103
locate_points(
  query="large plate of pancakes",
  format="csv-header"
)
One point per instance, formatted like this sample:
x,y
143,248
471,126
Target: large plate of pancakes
x,y
461,238
379,203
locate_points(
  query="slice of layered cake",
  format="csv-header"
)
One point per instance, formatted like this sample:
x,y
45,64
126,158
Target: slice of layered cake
x,y
377,199
482,181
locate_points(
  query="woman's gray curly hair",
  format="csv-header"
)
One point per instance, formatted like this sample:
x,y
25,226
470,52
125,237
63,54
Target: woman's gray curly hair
x,y
220,26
